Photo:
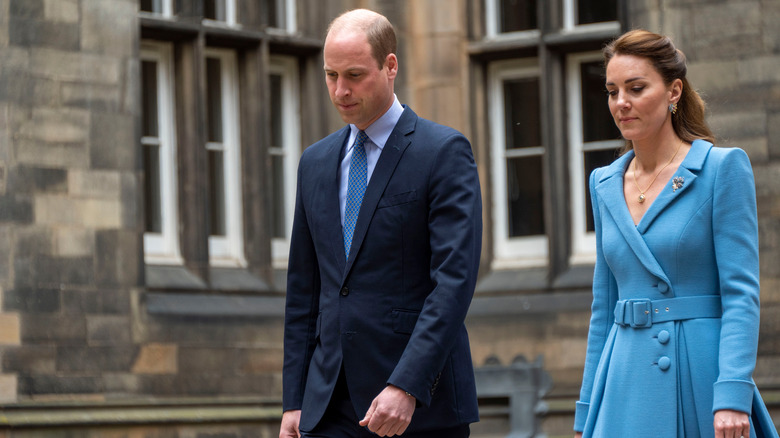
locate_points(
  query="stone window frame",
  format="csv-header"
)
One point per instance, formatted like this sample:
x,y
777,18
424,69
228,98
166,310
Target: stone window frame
x,y
289,151
583,240
230,14
163,247
550,44
227,250
253,44
288,11
492,18
570,21
509,252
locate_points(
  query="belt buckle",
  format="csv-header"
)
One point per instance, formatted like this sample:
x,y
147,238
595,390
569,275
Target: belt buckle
x,y
641,313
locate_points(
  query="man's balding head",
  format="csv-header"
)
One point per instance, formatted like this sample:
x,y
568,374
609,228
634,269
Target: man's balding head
x,y
376,27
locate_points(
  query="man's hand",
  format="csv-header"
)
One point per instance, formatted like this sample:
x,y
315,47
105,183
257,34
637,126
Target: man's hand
x,y
290,421
390,412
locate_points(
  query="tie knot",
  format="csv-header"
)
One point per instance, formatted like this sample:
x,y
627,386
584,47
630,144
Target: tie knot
x,y
361,138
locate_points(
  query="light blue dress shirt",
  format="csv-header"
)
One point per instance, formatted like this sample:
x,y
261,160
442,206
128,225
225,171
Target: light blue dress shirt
x,y
378,133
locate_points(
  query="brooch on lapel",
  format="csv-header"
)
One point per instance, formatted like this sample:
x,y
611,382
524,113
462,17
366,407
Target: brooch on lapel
x,y
677,183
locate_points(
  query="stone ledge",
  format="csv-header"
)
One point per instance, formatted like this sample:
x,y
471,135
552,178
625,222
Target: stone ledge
x,y
214,305
52,414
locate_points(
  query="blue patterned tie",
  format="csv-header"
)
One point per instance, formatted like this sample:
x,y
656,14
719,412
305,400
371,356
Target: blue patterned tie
x,y
356,188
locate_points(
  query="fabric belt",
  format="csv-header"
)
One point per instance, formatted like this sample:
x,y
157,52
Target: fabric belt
x,y
643,312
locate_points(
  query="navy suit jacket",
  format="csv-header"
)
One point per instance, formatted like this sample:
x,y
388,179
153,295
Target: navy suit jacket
x,y
393,313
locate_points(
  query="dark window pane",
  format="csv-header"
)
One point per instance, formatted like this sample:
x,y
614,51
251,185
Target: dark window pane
x,y
521,112
594,160
596,11
149,98
597,122
278,216
276,110
214,10
517,15
151,6
524,193
273,12
152,190
214,99
217,193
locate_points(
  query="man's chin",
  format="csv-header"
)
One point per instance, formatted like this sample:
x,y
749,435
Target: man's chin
x,y
348,118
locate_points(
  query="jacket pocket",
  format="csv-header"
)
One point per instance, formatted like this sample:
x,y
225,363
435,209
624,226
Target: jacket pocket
x,y
397,199
404,320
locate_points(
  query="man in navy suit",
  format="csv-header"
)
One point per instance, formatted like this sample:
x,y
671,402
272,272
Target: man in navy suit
x,y
384,257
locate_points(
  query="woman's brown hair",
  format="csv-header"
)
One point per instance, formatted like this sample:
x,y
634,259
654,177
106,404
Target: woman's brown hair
x,y
689,122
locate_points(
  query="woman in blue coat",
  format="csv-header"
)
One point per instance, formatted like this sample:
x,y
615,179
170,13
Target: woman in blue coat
x,y
674,327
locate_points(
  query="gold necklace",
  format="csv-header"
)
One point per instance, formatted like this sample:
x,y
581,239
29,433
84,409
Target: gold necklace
x,y
641,197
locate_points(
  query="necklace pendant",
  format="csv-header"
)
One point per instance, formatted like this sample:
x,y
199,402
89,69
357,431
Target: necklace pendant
x,y
641,198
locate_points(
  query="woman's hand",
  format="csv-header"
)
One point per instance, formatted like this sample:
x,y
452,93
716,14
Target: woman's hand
x,y
577,434
731,424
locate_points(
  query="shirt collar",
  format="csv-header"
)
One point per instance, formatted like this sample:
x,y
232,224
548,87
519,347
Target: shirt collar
x,y
379,131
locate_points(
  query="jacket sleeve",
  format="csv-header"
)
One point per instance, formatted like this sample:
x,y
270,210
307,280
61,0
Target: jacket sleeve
x,y
303,285
735,231
602,314
455,230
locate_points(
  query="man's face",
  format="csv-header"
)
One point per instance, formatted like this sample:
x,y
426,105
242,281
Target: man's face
x,y
359,89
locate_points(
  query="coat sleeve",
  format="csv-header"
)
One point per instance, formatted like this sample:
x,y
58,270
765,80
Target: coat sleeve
x,y
602,314
303,285
735,230
455,230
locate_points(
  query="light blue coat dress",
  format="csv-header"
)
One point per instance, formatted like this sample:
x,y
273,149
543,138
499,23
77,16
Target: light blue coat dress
x,y
675,316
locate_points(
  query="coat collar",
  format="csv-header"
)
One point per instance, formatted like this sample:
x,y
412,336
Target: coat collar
x,y
609,187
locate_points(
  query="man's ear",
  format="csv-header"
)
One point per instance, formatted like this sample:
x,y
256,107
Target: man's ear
x,y
391,64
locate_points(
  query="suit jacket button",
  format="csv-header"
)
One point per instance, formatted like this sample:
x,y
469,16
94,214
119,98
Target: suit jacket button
x,y
344,291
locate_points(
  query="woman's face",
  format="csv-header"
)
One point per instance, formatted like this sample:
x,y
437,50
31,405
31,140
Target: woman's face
x,y
638,97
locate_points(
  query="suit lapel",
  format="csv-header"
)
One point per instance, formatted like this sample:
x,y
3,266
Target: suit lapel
x,y
610,191
391,154
331,187
688,169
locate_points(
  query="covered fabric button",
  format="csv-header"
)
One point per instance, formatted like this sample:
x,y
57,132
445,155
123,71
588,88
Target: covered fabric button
x,y
663,336
664,363
663,287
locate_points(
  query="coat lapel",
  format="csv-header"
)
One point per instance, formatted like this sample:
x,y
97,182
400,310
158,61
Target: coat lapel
x,y
610,191
688,170
391,154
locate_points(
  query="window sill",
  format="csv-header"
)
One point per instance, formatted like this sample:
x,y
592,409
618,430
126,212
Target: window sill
x,y
176,291
530,291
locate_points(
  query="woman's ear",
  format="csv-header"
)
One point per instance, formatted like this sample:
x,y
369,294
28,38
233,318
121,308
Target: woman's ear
x,y
675,91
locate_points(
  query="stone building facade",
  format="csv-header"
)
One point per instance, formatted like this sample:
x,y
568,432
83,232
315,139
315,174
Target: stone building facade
x,y
147,161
